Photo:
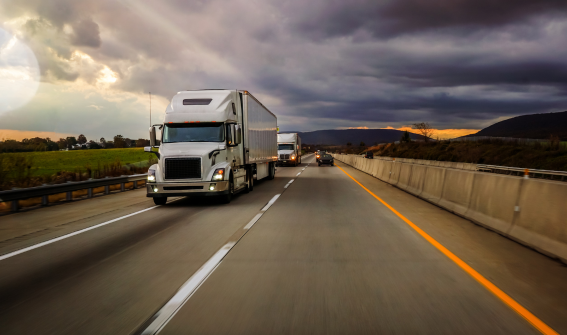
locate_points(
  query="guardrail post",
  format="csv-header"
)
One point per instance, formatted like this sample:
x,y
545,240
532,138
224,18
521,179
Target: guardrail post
x,y
15,206
69,196
526,174
45,200
122,187
106,189
135,184
90,193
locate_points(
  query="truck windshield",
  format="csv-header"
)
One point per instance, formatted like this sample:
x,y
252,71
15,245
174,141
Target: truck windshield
x,y
193,132
286,146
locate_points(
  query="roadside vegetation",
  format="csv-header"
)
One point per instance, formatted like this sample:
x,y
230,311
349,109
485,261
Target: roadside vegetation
x,y
550,155
54,167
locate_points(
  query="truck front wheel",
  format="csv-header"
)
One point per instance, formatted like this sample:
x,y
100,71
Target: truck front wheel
x,y
160,201
228,197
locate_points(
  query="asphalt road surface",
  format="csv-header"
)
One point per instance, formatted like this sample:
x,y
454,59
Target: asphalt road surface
x,y
319,255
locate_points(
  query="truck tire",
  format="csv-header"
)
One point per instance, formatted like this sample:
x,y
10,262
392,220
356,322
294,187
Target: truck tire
x,y
225,199
160,201
249,181
272,172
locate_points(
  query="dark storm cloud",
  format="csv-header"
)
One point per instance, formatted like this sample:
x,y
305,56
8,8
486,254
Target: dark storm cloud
x,y
86,33
321,19
453,63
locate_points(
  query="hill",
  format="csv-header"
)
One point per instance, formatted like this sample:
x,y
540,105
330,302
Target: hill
x,y
354,136
540,126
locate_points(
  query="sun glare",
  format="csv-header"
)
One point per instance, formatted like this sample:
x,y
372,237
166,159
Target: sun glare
x,y
19,72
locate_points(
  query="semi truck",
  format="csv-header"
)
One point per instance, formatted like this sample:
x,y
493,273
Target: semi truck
x,y
213,143
289,149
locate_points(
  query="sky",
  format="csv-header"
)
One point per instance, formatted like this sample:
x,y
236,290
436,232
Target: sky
x,y
87,66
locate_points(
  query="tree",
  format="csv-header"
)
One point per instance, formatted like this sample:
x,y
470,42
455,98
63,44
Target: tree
x,y
94,145
142,143
424,129
62,143
405,137
349,144
82,139
71,141
51,146
119,141
362,144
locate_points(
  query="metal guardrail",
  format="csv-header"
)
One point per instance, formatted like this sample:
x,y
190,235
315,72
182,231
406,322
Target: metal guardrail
x,y
508,170
532,173
44,191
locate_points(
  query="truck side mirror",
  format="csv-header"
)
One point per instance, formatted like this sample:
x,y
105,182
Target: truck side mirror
x,y
152,136
238,134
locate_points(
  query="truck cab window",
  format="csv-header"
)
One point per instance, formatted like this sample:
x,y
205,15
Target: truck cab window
x,y
285,146
193,132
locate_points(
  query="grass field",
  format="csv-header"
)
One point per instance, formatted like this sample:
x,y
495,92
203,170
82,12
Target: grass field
x,y
50,162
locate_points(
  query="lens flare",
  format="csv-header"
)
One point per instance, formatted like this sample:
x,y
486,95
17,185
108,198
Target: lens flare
x,y
19,72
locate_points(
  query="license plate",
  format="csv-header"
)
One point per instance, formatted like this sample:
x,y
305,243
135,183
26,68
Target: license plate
x,y
284,161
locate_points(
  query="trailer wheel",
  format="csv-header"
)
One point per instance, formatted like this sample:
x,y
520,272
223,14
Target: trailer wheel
x,y
160,201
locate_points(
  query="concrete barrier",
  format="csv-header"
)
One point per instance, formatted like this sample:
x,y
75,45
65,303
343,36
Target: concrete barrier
x,y
395,175
530,211
387,171
433,184
405,175
457,188
492,201
541,221
415,184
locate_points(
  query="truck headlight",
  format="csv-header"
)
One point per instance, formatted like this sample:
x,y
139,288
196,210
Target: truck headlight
x,y
151,175
293,157
219,174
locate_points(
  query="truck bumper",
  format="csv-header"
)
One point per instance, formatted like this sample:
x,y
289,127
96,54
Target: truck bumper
x,y
286,162
160,190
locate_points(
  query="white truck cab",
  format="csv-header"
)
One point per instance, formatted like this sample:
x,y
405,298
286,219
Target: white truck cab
x,y
289,149
213,142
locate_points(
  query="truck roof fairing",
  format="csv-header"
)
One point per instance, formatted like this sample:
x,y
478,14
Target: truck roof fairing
x,y
219,108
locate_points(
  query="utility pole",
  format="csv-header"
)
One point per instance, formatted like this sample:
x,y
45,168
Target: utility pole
x,y
150,109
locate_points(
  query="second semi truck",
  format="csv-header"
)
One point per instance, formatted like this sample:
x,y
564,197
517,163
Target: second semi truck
x,y
289,149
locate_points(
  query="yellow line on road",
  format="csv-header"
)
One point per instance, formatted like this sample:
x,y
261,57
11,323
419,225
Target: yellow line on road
x,y
532,319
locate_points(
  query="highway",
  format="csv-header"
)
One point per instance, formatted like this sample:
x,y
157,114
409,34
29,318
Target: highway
x,y
323,254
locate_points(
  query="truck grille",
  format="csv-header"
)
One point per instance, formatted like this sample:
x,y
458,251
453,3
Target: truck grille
x,y
282,156
182,168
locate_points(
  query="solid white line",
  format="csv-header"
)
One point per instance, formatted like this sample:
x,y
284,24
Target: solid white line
x,y
271,202
39,245
253,221
168,311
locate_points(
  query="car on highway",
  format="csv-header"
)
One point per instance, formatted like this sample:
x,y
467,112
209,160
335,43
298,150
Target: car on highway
x,y
369,154
326,159
318,155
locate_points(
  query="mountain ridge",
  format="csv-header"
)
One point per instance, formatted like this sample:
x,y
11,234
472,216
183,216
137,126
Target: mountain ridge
x,y
354,136
536,126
